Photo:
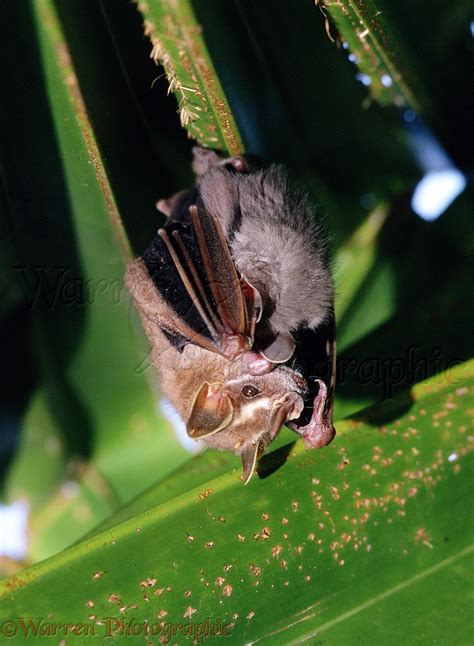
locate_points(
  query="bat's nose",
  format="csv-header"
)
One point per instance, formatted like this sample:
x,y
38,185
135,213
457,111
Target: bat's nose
x,y
300,381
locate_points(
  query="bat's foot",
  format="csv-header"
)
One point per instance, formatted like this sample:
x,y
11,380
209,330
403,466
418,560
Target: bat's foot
x,y
205,158
319,431
239,164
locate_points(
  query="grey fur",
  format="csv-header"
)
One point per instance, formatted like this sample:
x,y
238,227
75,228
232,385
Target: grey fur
x,y
277,241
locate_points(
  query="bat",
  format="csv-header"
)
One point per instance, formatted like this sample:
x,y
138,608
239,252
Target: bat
x,y
240,269
221,403
277,242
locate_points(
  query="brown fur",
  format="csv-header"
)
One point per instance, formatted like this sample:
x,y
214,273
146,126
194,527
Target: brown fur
x,y
183,373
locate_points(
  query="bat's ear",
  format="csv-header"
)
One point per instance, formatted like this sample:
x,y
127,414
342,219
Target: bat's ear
x,y
249,461
212,411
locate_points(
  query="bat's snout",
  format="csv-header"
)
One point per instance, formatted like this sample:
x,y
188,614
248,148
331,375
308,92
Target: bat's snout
x,y
300,381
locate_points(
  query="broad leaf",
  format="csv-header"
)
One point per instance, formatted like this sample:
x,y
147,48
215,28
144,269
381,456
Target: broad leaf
x,y
325,545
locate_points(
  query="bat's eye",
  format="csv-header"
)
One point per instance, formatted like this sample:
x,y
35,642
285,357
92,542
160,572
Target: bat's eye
x,y
250,391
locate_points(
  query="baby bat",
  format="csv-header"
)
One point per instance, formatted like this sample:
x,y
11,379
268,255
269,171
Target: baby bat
x,y
278,245
239,269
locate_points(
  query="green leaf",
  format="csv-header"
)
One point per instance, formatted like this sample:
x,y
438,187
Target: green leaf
x,y
354,262
328,544
373,40
39,463
429,328
95,394
177,44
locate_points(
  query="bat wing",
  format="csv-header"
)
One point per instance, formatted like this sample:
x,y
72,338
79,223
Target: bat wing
x,y
192,268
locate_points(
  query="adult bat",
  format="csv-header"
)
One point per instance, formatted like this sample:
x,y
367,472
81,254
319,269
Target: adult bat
x,y
240,267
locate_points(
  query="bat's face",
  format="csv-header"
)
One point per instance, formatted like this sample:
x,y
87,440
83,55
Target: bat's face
x,y
245,413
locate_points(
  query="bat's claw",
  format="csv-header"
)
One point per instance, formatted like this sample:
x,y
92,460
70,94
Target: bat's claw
x,y
239,164
319,431
205,158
